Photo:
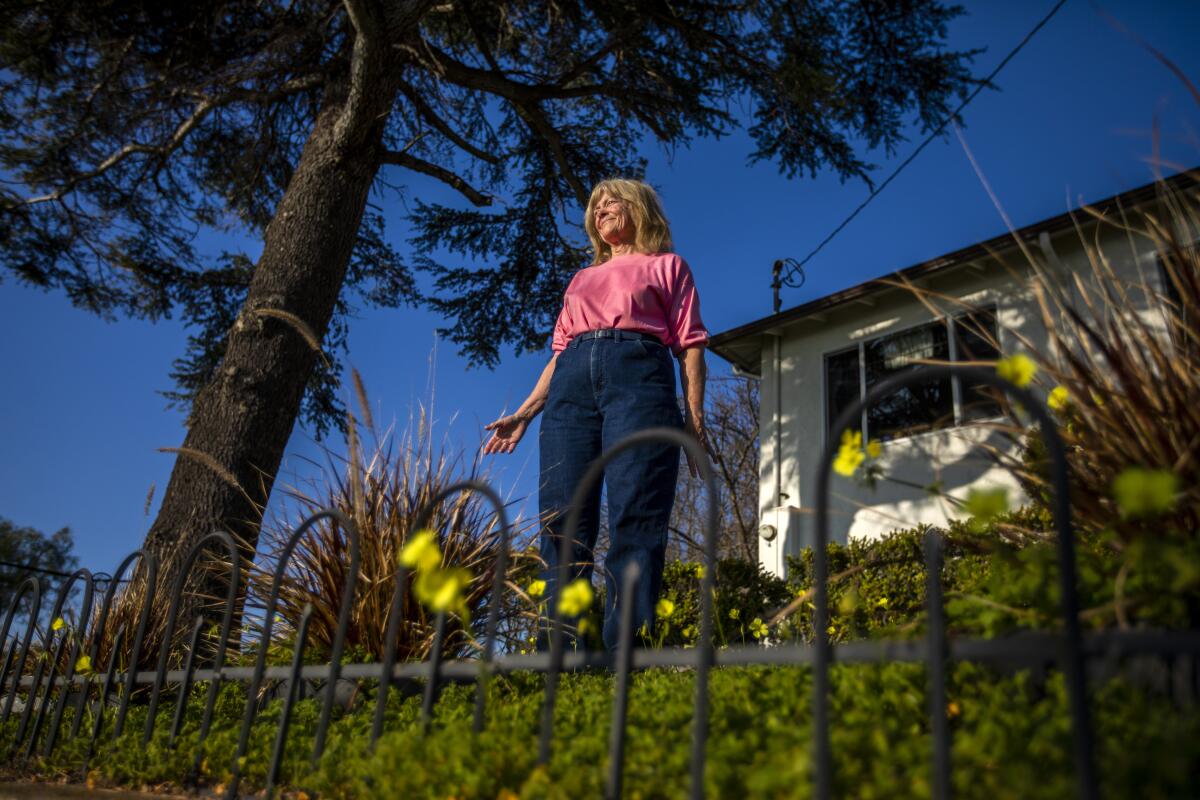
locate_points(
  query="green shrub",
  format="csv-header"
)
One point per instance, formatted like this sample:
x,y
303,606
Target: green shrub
x,y
744,592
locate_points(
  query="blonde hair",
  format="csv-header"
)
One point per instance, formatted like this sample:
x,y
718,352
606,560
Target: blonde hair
x,y
652,232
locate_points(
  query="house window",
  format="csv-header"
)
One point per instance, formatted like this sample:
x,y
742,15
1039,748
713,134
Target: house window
x,y
842,382
927,405
917,407
975,340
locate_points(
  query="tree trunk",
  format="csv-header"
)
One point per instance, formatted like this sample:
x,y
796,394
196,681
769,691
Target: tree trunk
x,y
243,418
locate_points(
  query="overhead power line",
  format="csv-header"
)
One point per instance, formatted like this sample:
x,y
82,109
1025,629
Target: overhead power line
x,y
954,115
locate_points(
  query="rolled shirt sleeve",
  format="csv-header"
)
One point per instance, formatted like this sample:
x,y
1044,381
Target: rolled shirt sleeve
x,y
683,317
560,339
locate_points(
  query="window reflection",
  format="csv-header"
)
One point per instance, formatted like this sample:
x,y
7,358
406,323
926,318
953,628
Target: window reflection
x,y
918,407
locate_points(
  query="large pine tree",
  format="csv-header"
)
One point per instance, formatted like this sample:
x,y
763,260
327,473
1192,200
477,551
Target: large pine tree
x,y
126,126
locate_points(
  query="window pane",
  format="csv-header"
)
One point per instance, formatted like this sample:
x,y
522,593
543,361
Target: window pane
x,y
841,384
975,335
923,406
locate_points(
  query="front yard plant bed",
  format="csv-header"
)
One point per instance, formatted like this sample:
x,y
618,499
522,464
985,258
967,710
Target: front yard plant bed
x,y
1011,739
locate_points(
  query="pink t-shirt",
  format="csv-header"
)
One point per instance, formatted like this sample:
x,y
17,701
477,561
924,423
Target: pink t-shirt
x,y
646,292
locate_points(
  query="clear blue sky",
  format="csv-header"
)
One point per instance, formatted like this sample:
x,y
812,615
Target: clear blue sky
x,y
80,416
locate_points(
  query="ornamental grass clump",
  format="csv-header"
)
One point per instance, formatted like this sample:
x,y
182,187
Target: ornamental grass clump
x,y
383,489
1120,373
1120,368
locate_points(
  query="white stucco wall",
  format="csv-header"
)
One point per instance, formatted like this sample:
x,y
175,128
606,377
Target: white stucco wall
x,y
954,457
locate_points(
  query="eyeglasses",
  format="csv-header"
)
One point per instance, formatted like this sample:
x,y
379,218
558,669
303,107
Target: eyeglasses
x,y
607,205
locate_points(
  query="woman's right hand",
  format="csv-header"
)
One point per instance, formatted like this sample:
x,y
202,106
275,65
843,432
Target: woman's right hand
x,y
506,432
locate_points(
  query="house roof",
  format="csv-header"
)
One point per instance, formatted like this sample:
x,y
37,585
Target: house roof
x,y
742,346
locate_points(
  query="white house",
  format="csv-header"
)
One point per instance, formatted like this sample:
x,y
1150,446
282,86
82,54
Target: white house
x,y
816,358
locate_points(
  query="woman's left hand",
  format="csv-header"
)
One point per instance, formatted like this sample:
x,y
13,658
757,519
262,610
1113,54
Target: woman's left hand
x,y
694,426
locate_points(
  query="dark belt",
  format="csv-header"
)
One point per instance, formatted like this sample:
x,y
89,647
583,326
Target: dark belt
x,y
619,335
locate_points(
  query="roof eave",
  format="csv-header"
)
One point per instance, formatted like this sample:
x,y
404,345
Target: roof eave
x,y
724,343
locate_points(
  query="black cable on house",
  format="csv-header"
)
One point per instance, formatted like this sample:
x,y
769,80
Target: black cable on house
x,y
954,115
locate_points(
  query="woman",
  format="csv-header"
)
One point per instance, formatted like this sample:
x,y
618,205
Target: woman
x,y
611,375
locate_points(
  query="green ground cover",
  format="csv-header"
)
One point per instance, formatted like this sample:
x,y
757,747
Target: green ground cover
x,y
1011,739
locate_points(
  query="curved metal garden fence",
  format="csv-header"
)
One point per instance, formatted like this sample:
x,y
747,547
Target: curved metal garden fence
x,y
46,689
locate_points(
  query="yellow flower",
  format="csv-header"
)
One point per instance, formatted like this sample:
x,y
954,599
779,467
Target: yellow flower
x,y
882,602
664,609
758,628
442,589
953,709
874,448
734,613
831,630
690,632
584,626
576,598
1018,369
1143,492
984,505
58,624
422,552
850,454
536,588
83,664
1058,399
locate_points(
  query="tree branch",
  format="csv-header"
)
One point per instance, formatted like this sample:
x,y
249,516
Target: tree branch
x,y
440,125
536,118
363,53
444,175
362,19
201,111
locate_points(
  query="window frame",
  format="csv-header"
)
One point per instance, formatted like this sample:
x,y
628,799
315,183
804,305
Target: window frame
x,y
956,388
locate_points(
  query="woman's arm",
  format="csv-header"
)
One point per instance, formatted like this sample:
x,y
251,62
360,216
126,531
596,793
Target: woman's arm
x,y
507,431
693,374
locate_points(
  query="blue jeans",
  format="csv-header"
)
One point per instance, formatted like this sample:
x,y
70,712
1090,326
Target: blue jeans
x,y
602,391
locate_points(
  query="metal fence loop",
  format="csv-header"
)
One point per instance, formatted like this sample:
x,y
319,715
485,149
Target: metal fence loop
x,y
389,652
35,607
937,666
76,638
164,650
1073,652
145,559
105,688
937,651
348,527
435,666
501,567
289,699
624,656
185,686
671,436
